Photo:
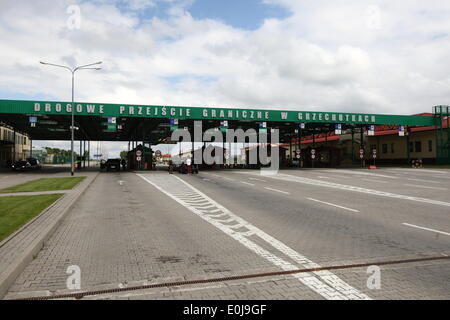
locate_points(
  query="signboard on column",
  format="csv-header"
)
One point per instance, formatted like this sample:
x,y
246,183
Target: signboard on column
x,y
224,126
338,129
401,131
371,130
173,124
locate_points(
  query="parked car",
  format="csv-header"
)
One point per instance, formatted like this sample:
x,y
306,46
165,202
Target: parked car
x,y
113,164
35,164
21,165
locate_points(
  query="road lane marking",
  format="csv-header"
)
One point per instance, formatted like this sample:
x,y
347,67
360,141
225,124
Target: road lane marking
x,y
323,282
425,187
249,184
222,177
420,170
422,180
373,180
334,205
255,179
367,174
428,229
327,184
276,190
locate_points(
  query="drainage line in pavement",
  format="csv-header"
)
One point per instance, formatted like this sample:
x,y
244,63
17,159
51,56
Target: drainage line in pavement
x,y
80,295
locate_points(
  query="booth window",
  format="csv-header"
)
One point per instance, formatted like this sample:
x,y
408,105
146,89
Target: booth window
x,y
418,146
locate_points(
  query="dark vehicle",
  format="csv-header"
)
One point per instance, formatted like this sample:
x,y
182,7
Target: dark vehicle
x,y
21,165
34,163
184,168
112,164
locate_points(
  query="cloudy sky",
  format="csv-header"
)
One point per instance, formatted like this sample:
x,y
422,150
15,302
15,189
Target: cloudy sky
x,y
378,56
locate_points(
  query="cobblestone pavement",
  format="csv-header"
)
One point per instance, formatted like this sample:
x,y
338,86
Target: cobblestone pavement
x,y
129,230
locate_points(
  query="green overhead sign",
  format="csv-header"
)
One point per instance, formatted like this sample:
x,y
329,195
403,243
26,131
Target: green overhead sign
x,y
148,111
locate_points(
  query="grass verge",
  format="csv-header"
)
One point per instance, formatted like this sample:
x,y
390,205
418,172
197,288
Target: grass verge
x,y
15,211
45,184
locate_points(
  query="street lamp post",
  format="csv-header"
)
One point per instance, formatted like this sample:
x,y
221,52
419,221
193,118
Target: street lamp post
x,y
72,127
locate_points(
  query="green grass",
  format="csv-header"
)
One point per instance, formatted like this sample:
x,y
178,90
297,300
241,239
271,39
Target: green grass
x,y
15,211
45,184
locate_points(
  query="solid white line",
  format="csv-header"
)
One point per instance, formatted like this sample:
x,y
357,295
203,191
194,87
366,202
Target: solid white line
x,y
276,190
426,187
249,184
428,229
334,205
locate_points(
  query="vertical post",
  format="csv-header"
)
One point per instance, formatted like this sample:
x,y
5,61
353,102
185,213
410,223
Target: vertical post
x,y
290,150
408,151
14,146
314,147
84,154
31,148
89,153
353,145
80,153
299,138
193,143
448,135
223,150
361,129
72,127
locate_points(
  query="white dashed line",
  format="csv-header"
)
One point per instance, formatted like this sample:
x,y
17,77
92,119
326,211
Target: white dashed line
x,y
422,180
255,179
327,184
420,170
428,229
366,174
372,180
334,205
249,184
425,187
276,190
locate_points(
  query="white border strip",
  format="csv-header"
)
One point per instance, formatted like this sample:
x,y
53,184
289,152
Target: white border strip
x,y
334,205
427,229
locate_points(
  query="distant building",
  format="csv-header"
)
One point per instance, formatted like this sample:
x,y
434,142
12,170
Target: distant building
x,y
13,145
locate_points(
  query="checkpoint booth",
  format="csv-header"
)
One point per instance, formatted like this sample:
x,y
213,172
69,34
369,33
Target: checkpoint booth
x,y
140,158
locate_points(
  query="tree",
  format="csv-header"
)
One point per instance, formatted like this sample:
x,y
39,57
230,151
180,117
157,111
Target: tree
x,y
123,154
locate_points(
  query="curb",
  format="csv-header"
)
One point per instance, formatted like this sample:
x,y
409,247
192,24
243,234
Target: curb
x,y
12,271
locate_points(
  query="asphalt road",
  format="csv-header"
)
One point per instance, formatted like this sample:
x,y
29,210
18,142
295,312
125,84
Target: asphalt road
x,y
132,229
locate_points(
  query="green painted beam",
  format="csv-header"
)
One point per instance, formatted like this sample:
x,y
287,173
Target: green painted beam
x,y
196,113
